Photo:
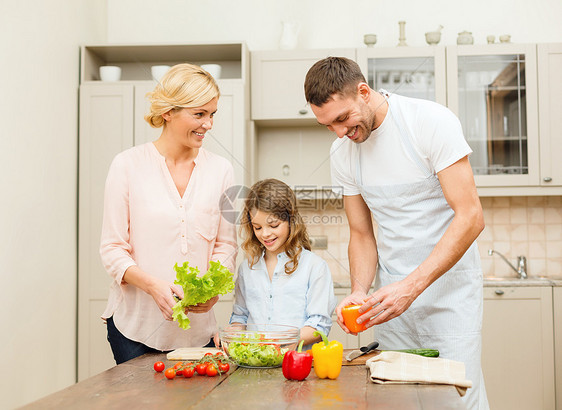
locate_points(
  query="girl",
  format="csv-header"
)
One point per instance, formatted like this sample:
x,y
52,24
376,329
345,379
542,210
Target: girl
x,y
162,207
281,281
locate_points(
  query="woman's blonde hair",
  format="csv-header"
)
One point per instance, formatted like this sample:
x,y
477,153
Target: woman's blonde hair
x,y
277,198
183,86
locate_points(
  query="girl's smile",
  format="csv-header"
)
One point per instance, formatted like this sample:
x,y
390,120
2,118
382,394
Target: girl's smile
x,y
271,231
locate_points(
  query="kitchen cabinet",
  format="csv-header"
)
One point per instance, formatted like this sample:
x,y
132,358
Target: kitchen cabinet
x,y
417,72
517,347
289,144
493,90
278,82
549,57
111,120
557,309
298,156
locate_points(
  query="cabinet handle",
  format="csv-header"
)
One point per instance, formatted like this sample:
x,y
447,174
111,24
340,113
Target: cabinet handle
x,y
303,111
499,292
547,179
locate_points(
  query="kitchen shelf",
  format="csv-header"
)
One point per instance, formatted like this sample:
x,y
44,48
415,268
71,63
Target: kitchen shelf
x,y
135,60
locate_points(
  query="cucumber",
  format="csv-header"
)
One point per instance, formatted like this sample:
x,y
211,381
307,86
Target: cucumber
x,y
420,352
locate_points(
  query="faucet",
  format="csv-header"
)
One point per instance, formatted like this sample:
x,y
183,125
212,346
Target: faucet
x,y
521,264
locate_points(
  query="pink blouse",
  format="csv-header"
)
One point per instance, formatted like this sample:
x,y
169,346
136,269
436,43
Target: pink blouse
x,y
147,223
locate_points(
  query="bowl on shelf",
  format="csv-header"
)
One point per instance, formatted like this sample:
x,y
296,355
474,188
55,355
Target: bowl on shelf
x,y
110,73
465,38
213,69
370,39
433,37
158,71
505,38
258,345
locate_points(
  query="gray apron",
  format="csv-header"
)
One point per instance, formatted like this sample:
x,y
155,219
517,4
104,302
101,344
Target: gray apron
x,y
447,316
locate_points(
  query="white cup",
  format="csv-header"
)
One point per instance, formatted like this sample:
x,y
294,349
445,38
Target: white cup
x,y
158,71
110,73
213,69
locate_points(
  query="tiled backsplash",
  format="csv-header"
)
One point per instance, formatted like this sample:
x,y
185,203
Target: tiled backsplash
x,y
528,226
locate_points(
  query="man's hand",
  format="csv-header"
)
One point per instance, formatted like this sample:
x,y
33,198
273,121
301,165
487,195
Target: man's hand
x,y
356,298
387,303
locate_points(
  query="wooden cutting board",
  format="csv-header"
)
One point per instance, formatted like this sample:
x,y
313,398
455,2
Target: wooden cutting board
x,y
191,353
359,361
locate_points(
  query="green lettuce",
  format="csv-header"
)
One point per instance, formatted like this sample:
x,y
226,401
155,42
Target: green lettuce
x,y
256,354
217,281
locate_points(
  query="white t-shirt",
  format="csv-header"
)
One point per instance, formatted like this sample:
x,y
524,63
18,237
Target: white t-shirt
x,y
434,131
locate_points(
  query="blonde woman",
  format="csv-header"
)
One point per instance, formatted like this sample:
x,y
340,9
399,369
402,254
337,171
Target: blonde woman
x,y
162,207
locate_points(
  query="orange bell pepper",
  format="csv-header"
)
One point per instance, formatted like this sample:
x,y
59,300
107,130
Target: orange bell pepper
x,y
350,314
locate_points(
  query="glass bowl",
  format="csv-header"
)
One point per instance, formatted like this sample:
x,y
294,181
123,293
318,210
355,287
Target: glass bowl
x,y
258,345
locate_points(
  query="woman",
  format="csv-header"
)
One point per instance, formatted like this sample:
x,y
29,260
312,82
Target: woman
x,y
161,207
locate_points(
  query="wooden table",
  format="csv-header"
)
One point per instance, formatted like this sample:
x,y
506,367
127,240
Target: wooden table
x,y
135,384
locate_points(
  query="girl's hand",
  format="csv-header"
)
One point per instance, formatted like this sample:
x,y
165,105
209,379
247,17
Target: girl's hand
x,y
162,292
203,307
356,298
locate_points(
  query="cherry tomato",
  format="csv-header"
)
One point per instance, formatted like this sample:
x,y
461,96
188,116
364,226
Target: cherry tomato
x,y
211,370
219,355
159,367
224,367
188,372
208,354
178,365
170,373
201,369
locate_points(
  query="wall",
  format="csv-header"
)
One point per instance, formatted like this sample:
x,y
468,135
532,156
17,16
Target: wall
x,y
330,23
39,106
529,226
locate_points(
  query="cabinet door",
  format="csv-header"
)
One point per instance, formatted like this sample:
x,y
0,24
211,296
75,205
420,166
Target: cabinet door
x,y
106,128
517,347
143,132
549,58
227,138
557,309
409,71
298,156
223,309
493,90
278,82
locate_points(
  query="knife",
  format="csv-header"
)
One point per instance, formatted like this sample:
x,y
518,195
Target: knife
x,y
363,350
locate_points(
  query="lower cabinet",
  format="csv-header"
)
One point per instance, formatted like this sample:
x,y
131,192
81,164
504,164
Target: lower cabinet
x,y
517,347
557,309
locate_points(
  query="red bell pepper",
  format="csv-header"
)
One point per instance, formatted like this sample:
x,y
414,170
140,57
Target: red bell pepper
x,y
296,364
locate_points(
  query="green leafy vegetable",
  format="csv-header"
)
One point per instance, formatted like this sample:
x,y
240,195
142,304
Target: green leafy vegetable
x,y
256,354
217,281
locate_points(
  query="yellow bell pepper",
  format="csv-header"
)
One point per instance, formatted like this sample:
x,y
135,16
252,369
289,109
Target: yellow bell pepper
x,y
327,357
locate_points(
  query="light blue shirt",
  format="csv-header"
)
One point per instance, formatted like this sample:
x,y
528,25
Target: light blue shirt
x,y
303,298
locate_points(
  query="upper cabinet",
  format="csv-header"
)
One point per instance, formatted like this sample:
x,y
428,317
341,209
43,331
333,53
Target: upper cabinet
x,y
278,82
549,57
417,72
493,90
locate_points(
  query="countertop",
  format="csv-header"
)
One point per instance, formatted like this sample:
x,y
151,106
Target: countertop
x,y
496,281
135,384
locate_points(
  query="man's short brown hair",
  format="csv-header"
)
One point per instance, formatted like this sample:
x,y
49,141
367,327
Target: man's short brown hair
x,y
331,75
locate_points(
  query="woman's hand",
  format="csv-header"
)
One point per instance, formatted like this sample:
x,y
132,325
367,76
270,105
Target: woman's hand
x,y
203,307
162,292
356,298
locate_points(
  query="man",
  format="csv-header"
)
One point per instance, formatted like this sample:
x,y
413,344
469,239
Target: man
x,y
405,161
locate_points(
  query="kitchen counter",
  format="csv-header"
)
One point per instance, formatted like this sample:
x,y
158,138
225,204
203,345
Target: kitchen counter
x,y
495,281
134,384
